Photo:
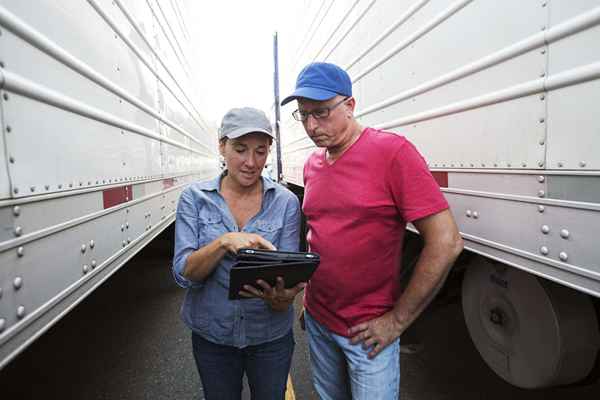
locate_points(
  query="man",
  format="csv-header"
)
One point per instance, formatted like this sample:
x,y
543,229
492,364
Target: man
x,y
361,187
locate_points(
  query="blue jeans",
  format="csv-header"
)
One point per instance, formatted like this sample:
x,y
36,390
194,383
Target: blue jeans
x,y
222,368
342,370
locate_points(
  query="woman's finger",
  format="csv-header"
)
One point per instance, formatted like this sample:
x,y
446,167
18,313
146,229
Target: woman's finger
x,y
280,284
251,291
264,243
267,289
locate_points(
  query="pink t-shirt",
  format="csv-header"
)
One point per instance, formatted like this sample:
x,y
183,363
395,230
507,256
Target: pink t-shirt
x,y
357,209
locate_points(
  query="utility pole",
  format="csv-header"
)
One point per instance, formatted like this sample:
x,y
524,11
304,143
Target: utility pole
x,y
277,116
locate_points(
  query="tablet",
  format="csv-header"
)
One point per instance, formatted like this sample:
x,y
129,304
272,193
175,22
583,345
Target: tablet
x,y
246,272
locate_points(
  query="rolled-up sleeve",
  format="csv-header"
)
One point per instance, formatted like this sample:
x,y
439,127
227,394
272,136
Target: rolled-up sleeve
x,y
186,237
290,235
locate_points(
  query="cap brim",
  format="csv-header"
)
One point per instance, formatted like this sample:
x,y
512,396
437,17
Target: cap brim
x,y
236,133
310,93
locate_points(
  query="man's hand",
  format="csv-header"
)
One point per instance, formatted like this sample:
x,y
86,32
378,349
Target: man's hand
x,y
233,241
279,298
378,332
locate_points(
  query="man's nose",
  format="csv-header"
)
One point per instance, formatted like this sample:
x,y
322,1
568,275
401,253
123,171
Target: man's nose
x,y
311,122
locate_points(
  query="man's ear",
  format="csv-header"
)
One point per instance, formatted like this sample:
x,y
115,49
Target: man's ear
x,y
351,104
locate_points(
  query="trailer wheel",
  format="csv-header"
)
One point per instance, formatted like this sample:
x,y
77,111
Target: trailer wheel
x,y
532,332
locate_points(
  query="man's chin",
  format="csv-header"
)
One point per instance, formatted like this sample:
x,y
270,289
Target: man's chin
x,y
319,143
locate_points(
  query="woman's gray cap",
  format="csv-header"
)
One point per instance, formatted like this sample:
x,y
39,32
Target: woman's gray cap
x,y
241,121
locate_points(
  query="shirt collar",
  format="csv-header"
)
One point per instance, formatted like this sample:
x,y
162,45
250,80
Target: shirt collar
x,y
214,184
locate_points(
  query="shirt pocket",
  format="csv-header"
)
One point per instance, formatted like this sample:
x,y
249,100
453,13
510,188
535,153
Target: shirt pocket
x,y
270,230
210,227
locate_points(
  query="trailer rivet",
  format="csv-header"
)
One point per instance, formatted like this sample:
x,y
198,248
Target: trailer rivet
x,y
47,187
60,185
92,244
11,159
20,312
122,228
524,164
93,263
545,229
560,164
563,256
542,97
541,193
468,213
18,283
18,231
20,251
475,214
86,268
128,240
542,74
541,179
32,189
124,243
5,96
544,250
495,165
127,225
16,211
2,324
541,120
8,128
83,248
564,234
582,164
541,209
508,165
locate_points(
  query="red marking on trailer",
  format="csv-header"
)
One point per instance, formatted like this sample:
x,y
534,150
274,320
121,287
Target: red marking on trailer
x,y
169,182
115,196
441,178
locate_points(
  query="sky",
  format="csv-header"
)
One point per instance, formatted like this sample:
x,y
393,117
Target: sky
x,y
232,52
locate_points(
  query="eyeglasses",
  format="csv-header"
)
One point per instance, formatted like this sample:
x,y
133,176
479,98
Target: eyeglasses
x,y
318,113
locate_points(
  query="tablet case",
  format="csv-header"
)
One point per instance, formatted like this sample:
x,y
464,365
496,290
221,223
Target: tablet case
x,y
253,264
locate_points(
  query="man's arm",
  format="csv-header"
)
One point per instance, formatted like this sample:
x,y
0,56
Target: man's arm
x,y
443,244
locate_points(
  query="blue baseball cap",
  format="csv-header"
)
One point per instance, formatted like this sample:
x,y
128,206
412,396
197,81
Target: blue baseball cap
x,y
321,81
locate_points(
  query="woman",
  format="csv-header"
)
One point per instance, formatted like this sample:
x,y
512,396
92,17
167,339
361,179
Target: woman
x,y
215,218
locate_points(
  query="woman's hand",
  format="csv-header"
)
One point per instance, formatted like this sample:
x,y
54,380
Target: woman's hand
x,y
233,241
279,298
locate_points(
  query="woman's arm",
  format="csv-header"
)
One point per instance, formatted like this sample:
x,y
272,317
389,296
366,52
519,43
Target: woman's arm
x,y
193,263
201,263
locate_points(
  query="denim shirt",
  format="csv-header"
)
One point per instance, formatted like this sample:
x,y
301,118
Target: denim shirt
x,y
203,216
